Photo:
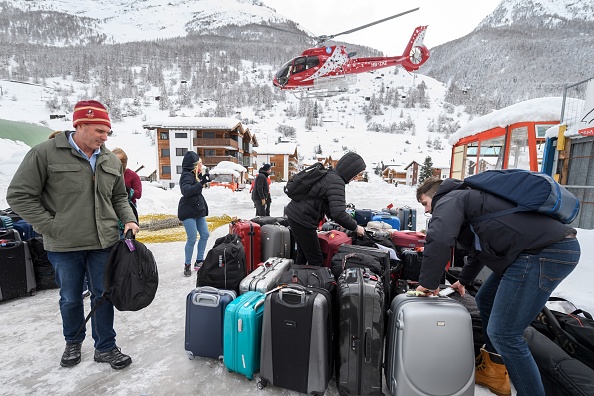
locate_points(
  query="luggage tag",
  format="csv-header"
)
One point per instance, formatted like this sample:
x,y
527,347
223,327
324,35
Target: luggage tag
x,y
128,239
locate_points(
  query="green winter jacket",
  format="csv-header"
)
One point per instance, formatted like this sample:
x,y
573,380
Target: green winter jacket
x,y
55,190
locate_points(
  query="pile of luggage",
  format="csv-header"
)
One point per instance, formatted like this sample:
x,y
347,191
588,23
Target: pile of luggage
x,y
24,267
299,326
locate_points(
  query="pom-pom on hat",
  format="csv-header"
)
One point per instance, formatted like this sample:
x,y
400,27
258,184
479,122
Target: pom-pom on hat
x,y
90,112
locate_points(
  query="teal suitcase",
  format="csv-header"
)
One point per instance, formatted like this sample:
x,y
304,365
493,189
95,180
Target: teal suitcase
x,y
242,333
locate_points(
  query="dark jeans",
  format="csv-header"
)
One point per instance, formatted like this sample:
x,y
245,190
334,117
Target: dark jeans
x,y
71,268
509,303
308,245
261,209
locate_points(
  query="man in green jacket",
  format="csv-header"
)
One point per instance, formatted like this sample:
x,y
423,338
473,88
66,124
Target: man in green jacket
x,y
71,189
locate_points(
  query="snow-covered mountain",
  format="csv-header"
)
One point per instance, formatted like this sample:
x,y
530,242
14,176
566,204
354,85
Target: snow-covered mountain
x,y
157,19
542,13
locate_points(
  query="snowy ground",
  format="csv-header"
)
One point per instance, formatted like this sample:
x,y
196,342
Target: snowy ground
x,y
31,332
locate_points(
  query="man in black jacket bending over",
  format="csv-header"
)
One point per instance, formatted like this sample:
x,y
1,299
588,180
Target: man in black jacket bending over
x,y
261,191
530,254
326,197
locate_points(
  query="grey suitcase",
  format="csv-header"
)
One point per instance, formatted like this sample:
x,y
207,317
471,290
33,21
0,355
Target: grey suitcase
x,y
276,241
296,350
265,276
423,335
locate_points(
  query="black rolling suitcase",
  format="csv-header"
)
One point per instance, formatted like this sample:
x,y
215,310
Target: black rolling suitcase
x,y
17,277
296,350
384,259
359,354
45,275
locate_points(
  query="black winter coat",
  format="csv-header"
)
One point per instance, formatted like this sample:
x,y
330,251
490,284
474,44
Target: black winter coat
x,y
502,238
326,197
261,188
192,203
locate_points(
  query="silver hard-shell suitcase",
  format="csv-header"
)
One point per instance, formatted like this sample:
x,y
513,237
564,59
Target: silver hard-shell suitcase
x,y
265,276
276,241
424,333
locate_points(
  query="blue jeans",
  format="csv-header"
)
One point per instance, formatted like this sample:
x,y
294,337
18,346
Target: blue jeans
x,y
71,268
509,303
194,227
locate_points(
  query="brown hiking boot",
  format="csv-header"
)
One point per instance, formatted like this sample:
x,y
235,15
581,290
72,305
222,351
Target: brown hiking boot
x,y
491,373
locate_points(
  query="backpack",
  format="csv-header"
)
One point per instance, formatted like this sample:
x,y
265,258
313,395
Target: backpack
x,y
530,191
224,266
299,186
131,277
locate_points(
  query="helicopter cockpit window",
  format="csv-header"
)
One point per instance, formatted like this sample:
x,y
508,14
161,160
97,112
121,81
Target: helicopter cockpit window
x,y
299,65
282,76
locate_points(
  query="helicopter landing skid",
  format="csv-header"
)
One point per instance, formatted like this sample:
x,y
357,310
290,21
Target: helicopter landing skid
x,y
326,87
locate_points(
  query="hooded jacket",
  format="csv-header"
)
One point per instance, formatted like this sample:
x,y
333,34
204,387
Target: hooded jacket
x,y
502,238
261,188
192,203
56,191
327,196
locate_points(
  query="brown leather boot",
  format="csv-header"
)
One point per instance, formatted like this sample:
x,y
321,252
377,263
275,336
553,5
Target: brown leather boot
x,y
491,373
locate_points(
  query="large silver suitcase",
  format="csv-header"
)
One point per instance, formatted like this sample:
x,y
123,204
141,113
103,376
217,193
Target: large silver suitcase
x,y
266,276
429,348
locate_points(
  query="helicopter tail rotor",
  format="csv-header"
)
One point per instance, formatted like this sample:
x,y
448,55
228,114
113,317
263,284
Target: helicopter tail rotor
x,y
415,52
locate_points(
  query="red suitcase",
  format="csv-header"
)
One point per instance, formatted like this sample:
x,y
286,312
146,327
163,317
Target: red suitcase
x,y
251,240
330,241
407,239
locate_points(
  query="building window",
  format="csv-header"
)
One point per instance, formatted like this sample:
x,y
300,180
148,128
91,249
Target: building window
x,y
179,169
166,170
165,153
181,135
180,152
209,153
208,135
273,164
164,136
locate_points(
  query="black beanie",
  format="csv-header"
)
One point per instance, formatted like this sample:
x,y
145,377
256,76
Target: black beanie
x,y
349,166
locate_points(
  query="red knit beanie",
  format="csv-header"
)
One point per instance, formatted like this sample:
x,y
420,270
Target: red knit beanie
x,y
90,112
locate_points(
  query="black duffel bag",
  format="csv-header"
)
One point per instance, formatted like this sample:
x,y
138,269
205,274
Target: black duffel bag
x,y
573,332
561,374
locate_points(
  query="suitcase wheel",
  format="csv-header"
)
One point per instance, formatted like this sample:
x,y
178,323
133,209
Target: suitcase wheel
x,y
262,383
190,355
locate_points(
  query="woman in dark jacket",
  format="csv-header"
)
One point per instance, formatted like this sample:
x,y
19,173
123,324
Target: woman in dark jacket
x,y
326,197
192,209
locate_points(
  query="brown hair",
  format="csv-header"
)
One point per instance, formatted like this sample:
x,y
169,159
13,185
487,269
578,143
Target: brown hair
x,y
428,187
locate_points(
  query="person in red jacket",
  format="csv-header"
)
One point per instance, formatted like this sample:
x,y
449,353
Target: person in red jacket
x,y
131,178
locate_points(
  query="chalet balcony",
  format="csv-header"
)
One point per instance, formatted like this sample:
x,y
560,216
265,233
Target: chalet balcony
x,y
211,161
222,143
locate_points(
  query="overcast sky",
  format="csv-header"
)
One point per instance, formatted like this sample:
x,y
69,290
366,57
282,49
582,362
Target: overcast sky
x,y
447,19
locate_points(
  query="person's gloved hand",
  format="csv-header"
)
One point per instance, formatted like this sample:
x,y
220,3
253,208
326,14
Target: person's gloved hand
x,y
204,179
130,193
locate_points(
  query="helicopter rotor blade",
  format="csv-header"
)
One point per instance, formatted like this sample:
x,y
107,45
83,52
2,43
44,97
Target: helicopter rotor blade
x,y
324,38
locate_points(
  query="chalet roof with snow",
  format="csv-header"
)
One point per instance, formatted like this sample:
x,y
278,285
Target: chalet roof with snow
x,y
203,123
276,149
534,110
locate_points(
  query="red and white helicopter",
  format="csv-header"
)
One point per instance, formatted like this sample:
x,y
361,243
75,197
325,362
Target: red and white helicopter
x,y
328,71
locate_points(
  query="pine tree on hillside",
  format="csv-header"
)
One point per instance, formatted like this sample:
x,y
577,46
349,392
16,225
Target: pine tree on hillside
x,y
426,169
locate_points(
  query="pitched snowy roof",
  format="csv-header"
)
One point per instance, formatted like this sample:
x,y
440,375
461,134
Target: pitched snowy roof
x,y
533,110
193,123
279,148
